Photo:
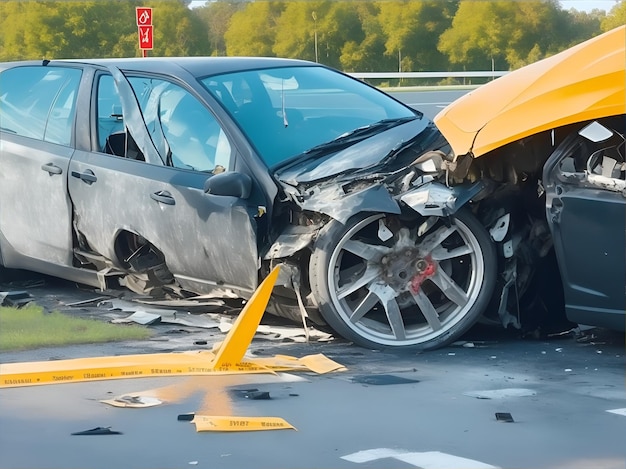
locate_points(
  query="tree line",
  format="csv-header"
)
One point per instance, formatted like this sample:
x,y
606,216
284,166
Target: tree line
x,y
351,35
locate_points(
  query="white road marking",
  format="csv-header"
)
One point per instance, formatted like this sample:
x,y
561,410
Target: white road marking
x,y
501,393
618,411
426,460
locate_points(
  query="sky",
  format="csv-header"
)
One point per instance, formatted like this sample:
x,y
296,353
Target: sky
x,y
588,5
581,5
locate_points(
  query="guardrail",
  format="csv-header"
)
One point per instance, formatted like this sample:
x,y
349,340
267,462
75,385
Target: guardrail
x,y
383,75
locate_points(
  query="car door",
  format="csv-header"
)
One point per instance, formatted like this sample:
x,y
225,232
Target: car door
x,y
37,110
587,217
146,179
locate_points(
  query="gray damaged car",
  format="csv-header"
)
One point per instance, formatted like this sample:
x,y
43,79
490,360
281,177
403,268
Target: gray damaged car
x,y
195,176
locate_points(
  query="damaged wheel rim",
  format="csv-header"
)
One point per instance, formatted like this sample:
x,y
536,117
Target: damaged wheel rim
x,y
410,289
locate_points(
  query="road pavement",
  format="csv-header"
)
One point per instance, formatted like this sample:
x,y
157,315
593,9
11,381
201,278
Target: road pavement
x,y
389,409
565,395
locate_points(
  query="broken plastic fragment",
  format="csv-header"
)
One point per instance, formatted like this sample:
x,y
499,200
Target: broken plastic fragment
x,y
186,417
501,393
133,401
382,379
253,394
15,299
257,395
140,317
98,431
504,417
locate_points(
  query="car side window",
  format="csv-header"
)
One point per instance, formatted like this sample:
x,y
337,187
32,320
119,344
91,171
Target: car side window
x,y
110,120
597,163
39,102
183,130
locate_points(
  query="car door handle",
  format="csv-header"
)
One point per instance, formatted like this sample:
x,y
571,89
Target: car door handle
x,y
163,197
51,168
88,176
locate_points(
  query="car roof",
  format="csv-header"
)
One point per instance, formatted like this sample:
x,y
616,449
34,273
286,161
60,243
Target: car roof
x,y
197,66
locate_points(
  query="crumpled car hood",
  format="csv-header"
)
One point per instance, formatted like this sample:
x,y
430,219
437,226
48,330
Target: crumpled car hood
x,y
361,155
582,83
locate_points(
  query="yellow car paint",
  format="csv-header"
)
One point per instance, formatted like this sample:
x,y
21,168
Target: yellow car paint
x,y
581,83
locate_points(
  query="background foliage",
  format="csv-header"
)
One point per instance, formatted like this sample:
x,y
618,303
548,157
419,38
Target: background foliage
x,y
352,35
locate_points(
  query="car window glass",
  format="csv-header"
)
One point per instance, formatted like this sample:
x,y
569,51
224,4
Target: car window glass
x,y
109,108
300,107
113,137
39,102
183,130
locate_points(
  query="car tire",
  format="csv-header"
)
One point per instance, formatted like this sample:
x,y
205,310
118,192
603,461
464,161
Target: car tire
x,y
409,291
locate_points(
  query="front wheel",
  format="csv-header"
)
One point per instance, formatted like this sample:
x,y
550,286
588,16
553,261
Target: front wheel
x,y
422,287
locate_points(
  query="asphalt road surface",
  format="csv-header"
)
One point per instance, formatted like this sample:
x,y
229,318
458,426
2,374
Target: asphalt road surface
x,y
565,395
428,102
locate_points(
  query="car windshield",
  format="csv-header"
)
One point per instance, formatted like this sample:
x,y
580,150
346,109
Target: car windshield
x,y
286,111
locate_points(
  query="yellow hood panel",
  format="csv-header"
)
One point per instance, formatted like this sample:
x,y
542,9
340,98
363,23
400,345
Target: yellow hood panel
x,y
581,83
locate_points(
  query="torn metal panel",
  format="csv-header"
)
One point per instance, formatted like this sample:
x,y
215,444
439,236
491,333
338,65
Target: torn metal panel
x,y
354,153
133,118
336,203
435,199
147,315
139,317
294,238
16,299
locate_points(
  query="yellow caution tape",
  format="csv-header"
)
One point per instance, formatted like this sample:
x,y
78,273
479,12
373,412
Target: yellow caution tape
x,y
119,367
238,339
150,365
227,359
207,423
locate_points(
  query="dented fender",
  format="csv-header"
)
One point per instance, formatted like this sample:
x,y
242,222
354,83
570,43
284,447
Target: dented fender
x,y
437,199
293,239
340,206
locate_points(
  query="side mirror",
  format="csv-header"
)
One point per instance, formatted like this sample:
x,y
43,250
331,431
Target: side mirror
x,y
231,184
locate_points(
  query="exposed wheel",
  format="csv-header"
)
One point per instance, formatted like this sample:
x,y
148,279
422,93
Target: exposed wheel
x,y
422,288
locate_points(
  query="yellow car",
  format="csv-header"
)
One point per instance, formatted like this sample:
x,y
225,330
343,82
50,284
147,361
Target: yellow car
x,y
549,140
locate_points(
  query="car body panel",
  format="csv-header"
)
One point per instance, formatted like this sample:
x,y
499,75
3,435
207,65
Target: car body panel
x,y
35,218
178,215
588,225
361,155
582,83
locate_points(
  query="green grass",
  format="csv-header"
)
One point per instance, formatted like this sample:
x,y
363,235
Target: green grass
x,y
30,327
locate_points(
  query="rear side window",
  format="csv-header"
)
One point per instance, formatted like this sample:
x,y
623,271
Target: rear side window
x,y
39,102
